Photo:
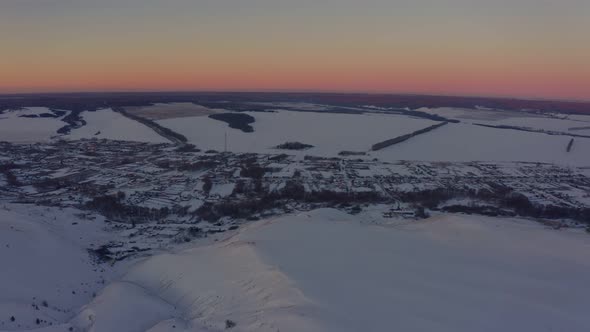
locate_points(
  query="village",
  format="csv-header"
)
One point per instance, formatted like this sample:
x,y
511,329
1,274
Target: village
x,y
180,181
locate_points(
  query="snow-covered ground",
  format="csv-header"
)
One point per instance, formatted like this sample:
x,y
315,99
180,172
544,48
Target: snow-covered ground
x,y
47,273
329,133
474,115
108,124
161,111
448,273
465,142
222,190
332,133
325,270
580,127
100,124
17,129
554,122
301,106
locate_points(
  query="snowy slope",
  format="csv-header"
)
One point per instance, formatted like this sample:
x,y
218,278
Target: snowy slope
x,y
198,290
47,273
123,306
111,125
449,273
328,271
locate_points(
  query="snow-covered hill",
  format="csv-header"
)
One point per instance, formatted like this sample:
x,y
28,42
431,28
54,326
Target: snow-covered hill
x,y
47,272
325,270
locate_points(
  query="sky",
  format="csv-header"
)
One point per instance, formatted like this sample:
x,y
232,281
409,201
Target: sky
x,y
524,48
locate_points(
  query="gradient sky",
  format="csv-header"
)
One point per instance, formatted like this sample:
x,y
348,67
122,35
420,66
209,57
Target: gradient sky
x,y
528,48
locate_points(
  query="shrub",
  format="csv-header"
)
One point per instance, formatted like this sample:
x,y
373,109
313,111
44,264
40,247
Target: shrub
x,y
293,146
207,185
230,324
187,148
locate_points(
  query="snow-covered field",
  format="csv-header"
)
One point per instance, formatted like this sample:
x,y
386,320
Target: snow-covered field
x,y
17,129
474,115
580,127
111,125
301,106
329,133
465,142
100,124
556,122
325,270
332,133
161,111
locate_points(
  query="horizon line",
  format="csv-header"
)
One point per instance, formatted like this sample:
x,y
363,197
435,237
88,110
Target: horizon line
x,y
302,91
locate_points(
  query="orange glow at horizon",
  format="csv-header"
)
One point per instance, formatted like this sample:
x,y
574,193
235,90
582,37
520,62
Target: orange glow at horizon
x,y
509,82
188,46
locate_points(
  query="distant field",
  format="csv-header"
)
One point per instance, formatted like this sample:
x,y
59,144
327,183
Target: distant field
x,y
329,133
170,111
465,114
112,125
549,122
545,137
84,101
579,128
465,142
14,127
